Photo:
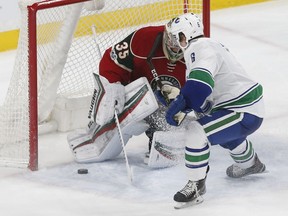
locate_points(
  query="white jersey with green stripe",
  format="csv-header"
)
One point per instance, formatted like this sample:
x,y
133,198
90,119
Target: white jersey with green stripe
x,y
210,63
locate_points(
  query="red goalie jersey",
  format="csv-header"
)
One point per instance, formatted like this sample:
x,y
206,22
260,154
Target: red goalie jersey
x,y
126,61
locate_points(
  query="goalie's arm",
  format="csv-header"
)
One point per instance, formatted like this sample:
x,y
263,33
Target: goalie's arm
x,y
117,63
111,71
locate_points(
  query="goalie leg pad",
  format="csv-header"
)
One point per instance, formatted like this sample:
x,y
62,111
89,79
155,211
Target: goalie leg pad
x,y
167,149
105,146
101,142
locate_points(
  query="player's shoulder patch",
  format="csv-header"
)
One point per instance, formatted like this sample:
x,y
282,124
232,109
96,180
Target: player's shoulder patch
x,y
121,53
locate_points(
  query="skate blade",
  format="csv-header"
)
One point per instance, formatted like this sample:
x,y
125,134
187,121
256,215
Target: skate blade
x,y
251,175
181,205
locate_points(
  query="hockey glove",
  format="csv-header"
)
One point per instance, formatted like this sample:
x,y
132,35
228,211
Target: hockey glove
x,y
167,94
177,111
206,109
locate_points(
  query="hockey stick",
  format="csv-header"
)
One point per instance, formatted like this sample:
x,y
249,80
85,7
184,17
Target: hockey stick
x,y
149,60
93,27
152,68
129,170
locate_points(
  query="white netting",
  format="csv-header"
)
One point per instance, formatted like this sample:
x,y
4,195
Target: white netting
x,y
67,57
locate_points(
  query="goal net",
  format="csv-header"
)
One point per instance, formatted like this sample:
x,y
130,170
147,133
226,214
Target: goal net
x,y
59,48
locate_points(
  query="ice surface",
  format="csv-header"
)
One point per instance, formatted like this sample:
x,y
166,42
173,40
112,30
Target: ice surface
x,y
257,35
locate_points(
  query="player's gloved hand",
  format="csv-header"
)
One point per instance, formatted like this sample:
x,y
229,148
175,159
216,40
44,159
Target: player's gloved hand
x,y
206,109
177,111
167,94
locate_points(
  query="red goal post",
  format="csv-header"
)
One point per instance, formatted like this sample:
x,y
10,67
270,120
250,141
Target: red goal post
x,y
57,53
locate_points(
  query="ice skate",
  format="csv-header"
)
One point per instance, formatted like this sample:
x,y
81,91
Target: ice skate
x,y
234,171
191,194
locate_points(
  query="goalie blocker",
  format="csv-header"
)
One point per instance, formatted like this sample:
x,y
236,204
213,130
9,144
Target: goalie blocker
x,y
99,141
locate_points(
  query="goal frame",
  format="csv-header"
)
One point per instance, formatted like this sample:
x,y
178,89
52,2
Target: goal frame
x,y
32,68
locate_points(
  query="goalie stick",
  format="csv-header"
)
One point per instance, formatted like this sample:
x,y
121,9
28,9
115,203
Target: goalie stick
x,y
93,27
129,170
149,59
152,68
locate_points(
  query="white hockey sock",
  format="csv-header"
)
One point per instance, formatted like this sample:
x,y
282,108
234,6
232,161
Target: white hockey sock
x,y
196,161
244,154
197,152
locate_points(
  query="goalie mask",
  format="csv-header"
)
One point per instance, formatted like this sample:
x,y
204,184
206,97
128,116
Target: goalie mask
x,y
171,48
179,32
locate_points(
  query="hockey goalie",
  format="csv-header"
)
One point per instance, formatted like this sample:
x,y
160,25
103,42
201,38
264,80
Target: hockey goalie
x,y
124,64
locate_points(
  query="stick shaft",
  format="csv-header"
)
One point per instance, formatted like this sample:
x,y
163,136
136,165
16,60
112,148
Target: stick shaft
x,y
129,172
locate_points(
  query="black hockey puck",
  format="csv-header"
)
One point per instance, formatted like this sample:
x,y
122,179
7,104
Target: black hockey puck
x,y
82,171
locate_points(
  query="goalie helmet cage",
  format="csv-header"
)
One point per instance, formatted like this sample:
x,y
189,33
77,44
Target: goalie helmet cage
x,y
57,54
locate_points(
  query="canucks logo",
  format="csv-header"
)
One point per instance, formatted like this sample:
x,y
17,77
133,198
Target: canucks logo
x,y
165,79
192,57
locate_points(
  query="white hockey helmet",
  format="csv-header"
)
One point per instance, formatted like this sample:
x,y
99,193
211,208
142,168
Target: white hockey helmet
x,y
188,25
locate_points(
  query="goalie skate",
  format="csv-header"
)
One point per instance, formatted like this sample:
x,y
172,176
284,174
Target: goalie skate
x,y
190,195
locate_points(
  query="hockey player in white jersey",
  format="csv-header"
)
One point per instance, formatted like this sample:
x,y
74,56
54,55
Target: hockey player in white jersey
x,y
228,102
